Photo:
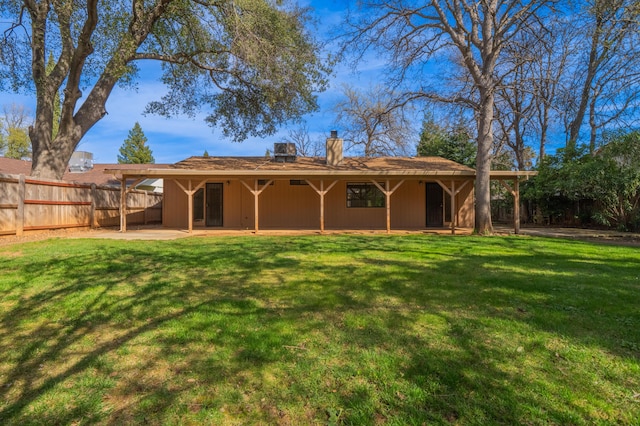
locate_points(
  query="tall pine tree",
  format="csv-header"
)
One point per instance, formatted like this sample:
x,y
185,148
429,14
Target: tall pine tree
x,y
134,150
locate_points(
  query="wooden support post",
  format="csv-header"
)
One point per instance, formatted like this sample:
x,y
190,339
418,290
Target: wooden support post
x,y
123,204
322,206
321,192
146,207
453,192
22,189
92,213
190,203
516,207
515,191
190,192
454,211
256,191
256,206
388,194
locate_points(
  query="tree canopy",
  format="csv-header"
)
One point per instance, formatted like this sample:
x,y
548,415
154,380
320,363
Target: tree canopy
x,y
454,144
251,64
606,183
14,138
375,123
472,36
134,149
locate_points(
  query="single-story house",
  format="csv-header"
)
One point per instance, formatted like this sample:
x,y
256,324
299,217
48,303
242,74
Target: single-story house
x,y
284,191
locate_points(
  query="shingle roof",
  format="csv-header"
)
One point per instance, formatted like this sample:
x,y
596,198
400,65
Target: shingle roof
x,y
319,164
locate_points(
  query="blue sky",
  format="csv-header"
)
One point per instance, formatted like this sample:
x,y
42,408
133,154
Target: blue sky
x,y
175,139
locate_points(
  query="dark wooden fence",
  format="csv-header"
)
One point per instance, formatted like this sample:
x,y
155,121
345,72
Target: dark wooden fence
x,y
28,204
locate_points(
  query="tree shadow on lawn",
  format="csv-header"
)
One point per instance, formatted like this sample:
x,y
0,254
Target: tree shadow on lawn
x,y
549,306
161,332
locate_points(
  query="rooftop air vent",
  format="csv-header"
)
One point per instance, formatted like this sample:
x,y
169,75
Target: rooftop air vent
x,y
81,161
284,152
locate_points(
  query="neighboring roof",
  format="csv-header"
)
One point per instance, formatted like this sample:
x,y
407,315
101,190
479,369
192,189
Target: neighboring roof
x,y
96,175
14,167
307,166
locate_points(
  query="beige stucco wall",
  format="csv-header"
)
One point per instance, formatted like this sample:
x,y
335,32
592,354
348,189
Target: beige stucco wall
x,y
285,206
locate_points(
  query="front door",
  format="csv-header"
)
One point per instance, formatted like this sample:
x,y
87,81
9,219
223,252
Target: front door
x,y
214,204
434,198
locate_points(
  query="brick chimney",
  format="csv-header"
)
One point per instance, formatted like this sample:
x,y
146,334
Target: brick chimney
x,y
334,149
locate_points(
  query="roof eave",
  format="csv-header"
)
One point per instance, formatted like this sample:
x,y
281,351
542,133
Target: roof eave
x,y
177,173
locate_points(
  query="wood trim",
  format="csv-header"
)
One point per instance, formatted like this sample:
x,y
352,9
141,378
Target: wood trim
x,y
58,184
42,227
135,183
192,191
57,203
506,186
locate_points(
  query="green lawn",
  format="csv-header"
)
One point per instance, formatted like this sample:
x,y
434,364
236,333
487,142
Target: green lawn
x,y
341,329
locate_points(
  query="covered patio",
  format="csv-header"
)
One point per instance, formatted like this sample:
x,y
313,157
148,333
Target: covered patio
x,y
309,194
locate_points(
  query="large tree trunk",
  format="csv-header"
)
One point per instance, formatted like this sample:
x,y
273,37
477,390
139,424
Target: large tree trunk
x,y
586,91
52,163
483,223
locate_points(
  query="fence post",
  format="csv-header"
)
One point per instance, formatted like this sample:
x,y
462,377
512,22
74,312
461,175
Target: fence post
x,y
123,204
20,212
146,204
92,214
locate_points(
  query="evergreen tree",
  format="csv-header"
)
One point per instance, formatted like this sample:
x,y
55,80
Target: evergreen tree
x,y
453,144
134,150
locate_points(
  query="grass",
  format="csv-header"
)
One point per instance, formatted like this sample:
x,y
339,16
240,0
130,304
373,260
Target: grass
x,y
350,329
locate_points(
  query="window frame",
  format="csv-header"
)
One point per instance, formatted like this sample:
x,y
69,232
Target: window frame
x,y
369,196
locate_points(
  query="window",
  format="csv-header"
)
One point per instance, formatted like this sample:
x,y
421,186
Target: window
x,y
263,182
198,205
296,182
364,195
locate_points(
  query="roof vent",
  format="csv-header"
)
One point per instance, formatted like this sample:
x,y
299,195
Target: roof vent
x,y
80,162
284,152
